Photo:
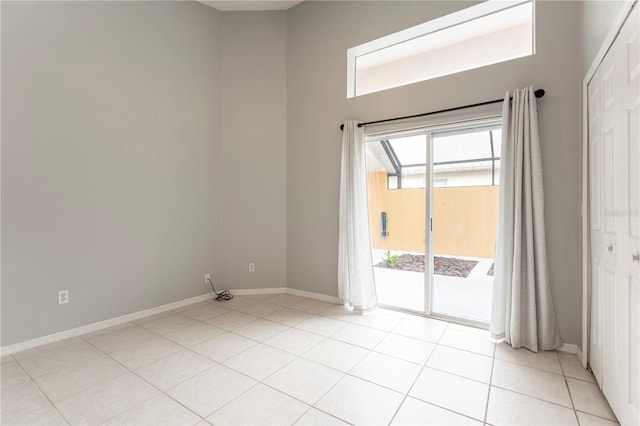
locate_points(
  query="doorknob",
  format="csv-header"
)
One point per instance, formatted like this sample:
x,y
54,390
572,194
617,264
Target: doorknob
x,y
636,257
610,248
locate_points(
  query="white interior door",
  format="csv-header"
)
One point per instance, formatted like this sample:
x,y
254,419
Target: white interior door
x,y
596,171
614,138
627,404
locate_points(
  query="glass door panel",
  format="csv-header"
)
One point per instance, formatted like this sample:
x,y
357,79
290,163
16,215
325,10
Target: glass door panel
x,y
396,186
465,175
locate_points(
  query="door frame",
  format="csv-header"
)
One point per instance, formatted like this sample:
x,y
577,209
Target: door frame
x,y
428,129
586,240
429,252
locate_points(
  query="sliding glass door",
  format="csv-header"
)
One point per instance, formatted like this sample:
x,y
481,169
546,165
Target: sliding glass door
x,y
464,204
396,179
433,205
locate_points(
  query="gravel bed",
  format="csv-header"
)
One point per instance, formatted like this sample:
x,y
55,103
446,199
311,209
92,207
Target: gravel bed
x,y
449,266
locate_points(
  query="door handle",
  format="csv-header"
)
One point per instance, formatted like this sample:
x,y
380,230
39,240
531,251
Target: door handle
x,y
610,248
636,257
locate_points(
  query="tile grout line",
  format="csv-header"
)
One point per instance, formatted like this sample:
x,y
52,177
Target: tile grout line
x,y
548,372
531,397
419,374
185,348
262,381
301,356
189,349
146,381
493,362
566,384
131,323
344,374
575,410
33,381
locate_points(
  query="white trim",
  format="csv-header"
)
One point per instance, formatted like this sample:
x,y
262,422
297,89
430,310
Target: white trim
x,y
586,284
89,328
465,119
569,348
586,299
312,295
608,40
443,22
581,358
100,325
254,291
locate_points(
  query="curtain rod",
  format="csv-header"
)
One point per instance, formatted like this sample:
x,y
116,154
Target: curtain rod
x,y
539,93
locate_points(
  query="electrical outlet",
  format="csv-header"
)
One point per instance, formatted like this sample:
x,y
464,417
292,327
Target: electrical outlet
x,y
63,297
252,267
207,277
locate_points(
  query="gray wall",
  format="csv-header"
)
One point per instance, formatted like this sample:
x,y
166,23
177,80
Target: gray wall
x,y
596,18
319,33
254,148
111,180
147,143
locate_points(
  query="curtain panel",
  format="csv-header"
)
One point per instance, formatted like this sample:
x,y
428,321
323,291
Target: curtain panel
x,y
356,285
522,312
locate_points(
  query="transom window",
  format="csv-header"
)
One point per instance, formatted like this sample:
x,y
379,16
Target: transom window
x,y
485,34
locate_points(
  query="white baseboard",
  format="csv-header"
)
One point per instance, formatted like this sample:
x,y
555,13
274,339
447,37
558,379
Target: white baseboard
x,y
287,290
254,291
569,348
573,349
312,295
581,358
89,328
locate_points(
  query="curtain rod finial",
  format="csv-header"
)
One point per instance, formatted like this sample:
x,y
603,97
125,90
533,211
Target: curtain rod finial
x,y
539,93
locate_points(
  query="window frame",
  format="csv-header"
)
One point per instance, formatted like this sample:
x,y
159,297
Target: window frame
x,y
447,21
431,128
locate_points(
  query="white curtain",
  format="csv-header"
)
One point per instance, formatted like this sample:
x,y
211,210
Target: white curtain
x,y
522,312
356,286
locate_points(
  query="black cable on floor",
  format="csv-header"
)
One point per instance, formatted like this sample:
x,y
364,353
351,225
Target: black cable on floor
x,y
223,295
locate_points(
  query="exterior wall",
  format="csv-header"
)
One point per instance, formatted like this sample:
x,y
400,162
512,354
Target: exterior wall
x,y
406,215
465,218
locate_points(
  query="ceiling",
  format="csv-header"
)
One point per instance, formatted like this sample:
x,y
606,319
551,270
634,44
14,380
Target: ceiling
x,y
229,5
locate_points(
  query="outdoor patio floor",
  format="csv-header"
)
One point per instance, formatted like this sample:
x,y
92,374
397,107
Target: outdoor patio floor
x,y
467,298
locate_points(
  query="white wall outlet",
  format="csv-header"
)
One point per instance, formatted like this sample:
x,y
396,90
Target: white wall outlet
x,y
63,297
252,267
207,277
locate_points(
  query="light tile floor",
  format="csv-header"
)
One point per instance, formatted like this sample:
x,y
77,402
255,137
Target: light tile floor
x,y
283,359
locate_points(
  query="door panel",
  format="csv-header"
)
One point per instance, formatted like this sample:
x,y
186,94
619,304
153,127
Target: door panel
x,y
397,202
464,202
634,345
597,322
614,197
596,173
629,406
610,332
608,172
634,170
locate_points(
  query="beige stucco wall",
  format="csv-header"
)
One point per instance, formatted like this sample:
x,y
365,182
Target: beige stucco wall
x,y
465,218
